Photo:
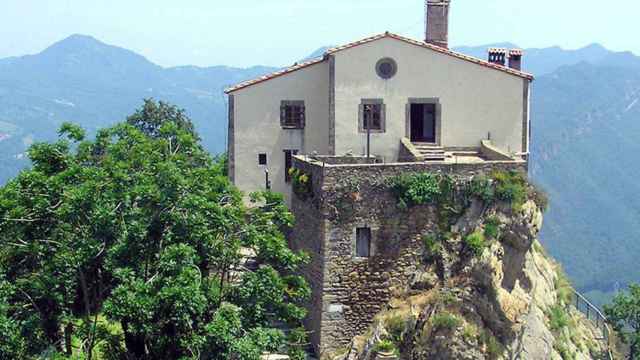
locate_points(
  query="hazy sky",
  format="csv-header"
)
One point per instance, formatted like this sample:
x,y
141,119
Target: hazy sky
x,y
278,32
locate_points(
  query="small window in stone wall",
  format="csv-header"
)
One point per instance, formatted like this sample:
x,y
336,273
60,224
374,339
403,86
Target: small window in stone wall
x,y
363,242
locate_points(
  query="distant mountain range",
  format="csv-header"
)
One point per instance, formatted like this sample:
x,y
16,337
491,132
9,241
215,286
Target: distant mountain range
x,y
585,113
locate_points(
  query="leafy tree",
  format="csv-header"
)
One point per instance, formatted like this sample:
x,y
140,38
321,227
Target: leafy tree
x,y
624,314
135,244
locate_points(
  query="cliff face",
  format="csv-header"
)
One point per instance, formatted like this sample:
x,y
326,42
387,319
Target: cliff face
x,y
507,301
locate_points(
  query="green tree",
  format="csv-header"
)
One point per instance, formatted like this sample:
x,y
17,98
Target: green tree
x,y
135,243
624,315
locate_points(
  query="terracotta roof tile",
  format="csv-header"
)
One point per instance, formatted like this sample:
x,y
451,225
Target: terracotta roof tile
x,y
294,67
422,44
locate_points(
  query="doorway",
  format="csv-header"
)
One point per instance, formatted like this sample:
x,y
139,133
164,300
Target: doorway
x,y
423,123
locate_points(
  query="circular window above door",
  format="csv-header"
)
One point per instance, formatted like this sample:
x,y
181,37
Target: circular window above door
x,y
386,68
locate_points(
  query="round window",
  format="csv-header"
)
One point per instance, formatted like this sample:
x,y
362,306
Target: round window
x,y
386,68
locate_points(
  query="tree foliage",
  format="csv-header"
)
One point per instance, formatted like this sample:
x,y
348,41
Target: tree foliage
x,y
134,244
624,314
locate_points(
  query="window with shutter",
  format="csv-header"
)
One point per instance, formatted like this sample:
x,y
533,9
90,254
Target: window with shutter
x,y
292,114
372,115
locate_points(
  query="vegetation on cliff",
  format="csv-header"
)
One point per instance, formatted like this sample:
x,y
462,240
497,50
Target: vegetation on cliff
x,y
134,245
624,314
484,289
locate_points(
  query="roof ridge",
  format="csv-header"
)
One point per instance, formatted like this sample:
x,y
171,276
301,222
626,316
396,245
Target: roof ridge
x,y
446,51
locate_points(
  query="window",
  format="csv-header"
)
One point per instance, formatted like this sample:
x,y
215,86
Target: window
x,y
292,114
262,159
386,68
372,115
363,242
288,163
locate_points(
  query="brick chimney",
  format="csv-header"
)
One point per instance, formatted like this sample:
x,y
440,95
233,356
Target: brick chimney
x,y
498,56
515,59
438,23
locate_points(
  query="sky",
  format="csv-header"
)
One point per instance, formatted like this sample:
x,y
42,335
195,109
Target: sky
x,y
278,32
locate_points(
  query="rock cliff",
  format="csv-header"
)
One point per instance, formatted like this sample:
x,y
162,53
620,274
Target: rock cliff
x,y
507,300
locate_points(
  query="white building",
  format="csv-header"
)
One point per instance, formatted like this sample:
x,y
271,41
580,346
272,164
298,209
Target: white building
x,y
419,98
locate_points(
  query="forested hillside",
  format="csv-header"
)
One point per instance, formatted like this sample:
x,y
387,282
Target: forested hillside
x,y
83,80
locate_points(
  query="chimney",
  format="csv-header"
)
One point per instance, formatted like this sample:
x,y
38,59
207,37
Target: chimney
x,y
438,23
498,56
515,59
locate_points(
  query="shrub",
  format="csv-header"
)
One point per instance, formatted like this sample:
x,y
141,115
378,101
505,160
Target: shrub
x,y
482,188
386,346
558,318
302,185
492,228
432,245
476,242
445,321
470,332
511,186
416,189
493,347
563,286
395,325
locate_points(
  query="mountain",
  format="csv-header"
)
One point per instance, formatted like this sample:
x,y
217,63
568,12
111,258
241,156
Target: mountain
x,y
83,80
547,60
585,114
586,131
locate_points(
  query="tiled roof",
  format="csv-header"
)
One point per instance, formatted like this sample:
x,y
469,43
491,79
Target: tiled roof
x,y
334,50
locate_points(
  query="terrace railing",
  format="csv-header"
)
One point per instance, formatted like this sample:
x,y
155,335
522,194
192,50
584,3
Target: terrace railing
x,y
598,319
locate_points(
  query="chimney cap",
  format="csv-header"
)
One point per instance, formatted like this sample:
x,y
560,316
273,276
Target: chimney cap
x,y
497,51
438,2
516,52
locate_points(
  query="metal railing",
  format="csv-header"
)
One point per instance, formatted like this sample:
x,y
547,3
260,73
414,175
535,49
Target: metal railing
x,y
597,318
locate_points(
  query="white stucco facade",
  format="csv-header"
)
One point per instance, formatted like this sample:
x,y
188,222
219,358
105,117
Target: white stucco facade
x,y
257,130
475,101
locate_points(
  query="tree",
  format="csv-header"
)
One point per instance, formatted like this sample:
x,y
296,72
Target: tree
x,y
134,243
624,315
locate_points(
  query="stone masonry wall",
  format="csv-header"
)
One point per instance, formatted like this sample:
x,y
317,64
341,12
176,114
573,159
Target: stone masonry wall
x,y
348,291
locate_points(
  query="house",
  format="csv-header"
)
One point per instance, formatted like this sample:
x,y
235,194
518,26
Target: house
x,y
361,114
439,100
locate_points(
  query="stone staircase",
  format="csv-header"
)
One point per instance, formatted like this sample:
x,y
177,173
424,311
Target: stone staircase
x,y
429,152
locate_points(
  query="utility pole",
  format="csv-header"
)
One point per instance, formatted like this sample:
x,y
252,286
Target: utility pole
x,y
368,124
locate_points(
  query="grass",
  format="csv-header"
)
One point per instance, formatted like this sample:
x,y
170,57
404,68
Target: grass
x,y
470,332
432,245
493,347
563,286
558,318
492,227
445,321
385,346
476,242
511,186
395,326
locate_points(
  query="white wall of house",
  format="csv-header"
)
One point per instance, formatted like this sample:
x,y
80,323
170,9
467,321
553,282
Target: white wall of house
x,y
257,127
475,100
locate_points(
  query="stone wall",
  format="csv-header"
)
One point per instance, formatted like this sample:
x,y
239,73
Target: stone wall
x,y
349,291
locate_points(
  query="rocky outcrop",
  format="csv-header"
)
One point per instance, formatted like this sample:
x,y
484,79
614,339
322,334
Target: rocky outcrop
x,y
506,301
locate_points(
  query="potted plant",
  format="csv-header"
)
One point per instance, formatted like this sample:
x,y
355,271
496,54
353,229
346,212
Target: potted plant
x,y
385,350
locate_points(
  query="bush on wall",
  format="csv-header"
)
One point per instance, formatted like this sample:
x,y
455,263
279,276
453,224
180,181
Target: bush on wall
x,y
302,185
